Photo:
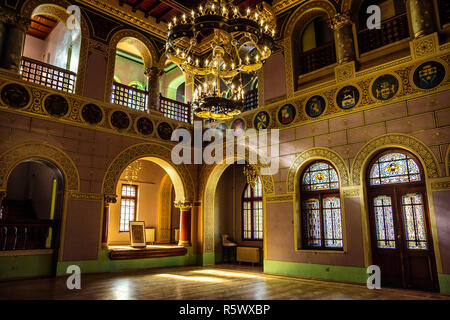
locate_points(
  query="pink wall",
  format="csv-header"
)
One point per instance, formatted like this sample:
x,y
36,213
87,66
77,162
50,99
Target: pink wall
x,y
274,77
441,207
95,82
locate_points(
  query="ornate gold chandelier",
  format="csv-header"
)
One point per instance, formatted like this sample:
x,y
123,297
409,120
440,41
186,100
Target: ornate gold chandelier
x,y
240,43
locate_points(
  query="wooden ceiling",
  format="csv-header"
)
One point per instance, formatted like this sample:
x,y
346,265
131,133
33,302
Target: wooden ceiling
x,y
41,26
165,10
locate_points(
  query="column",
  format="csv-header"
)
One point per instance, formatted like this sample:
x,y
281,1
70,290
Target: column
x,y
343,31
2,197
15,28
153,75
108,199
185,222
422,17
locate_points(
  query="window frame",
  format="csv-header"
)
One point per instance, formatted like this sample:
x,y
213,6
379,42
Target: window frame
x,y
320,195
122,197
252,201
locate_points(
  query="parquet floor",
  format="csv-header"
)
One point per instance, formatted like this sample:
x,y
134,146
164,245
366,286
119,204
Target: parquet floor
x,y
222,282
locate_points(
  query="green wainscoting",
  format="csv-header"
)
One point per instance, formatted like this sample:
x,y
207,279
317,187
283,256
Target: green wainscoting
x,y
25,266
316,271
444,282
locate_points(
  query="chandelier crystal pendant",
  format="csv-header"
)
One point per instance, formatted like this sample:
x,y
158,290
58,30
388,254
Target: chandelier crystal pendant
x,y
240,43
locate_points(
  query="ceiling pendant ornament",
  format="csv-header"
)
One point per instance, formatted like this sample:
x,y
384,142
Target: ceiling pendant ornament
x,y
132,171
240,44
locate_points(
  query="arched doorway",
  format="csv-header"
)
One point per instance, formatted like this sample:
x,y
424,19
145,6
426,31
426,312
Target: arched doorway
x,y
401,238
31,213
145,192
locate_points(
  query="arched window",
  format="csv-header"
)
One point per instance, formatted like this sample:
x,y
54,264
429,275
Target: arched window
x,y
400,230
252,212
316,48
321,207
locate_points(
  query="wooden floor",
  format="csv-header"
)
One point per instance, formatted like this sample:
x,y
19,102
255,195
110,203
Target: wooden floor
x,y
223,282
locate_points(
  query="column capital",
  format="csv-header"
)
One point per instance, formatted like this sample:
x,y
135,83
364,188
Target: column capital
x,y
339,20
153,72
110,198
183,205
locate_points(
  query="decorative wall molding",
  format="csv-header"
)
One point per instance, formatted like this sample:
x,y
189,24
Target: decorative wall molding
x,y
441,184
20,153
280,198
407,142
350,193
305,157
86,196
425,46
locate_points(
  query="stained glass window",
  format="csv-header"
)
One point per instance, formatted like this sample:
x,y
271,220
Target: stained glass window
x,y
128,204
394,168
414,219
320,176
384,222
252,211
321,207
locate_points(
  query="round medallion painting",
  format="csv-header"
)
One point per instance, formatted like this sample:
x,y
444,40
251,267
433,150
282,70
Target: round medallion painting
x,y
15,96
286,114
56,105
165,131
262,120
92,114
385,87
347,97
429,75
144,126
238,127
315,106
222,128
120,120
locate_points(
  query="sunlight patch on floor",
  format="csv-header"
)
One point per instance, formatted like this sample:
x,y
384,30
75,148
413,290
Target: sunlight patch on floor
x,y
228,274
190,278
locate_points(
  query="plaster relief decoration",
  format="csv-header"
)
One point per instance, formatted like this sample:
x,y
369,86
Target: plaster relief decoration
x,y
92,113
15,96
120,120
347,97
315,106
262,120
144,126
165,131
429,75
385,87
286,114
56,105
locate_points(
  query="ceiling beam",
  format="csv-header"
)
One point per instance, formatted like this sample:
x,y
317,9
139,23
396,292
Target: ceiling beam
x,y
136,4
151,8
158,18
42,24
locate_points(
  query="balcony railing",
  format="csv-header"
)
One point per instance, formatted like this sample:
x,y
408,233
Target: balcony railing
x,y
174,109
250,100
28,234
392,30
47,75
317,58
129,97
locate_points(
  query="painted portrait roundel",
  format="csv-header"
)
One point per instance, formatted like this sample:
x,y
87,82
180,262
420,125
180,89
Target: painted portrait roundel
x,y
429,75
315,106
164,131
347,97
287,114
238,127
262,120
385,87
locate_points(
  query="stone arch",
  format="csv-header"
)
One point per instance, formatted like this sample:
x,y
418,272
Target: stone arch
x,y
18,154
142,43
308,10
209,178
180,176
305,157
409,143
57,9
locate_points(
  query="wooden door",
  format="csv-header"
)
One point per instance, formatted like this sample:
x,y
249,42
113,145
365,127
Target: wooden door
x,y
401,238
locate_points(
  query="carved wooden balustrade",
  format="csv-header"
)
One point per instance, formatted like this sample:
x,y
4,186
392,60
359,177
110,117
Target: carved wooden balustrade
x,y
392,30
129,97
317,58
47,75
28,234
174,109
